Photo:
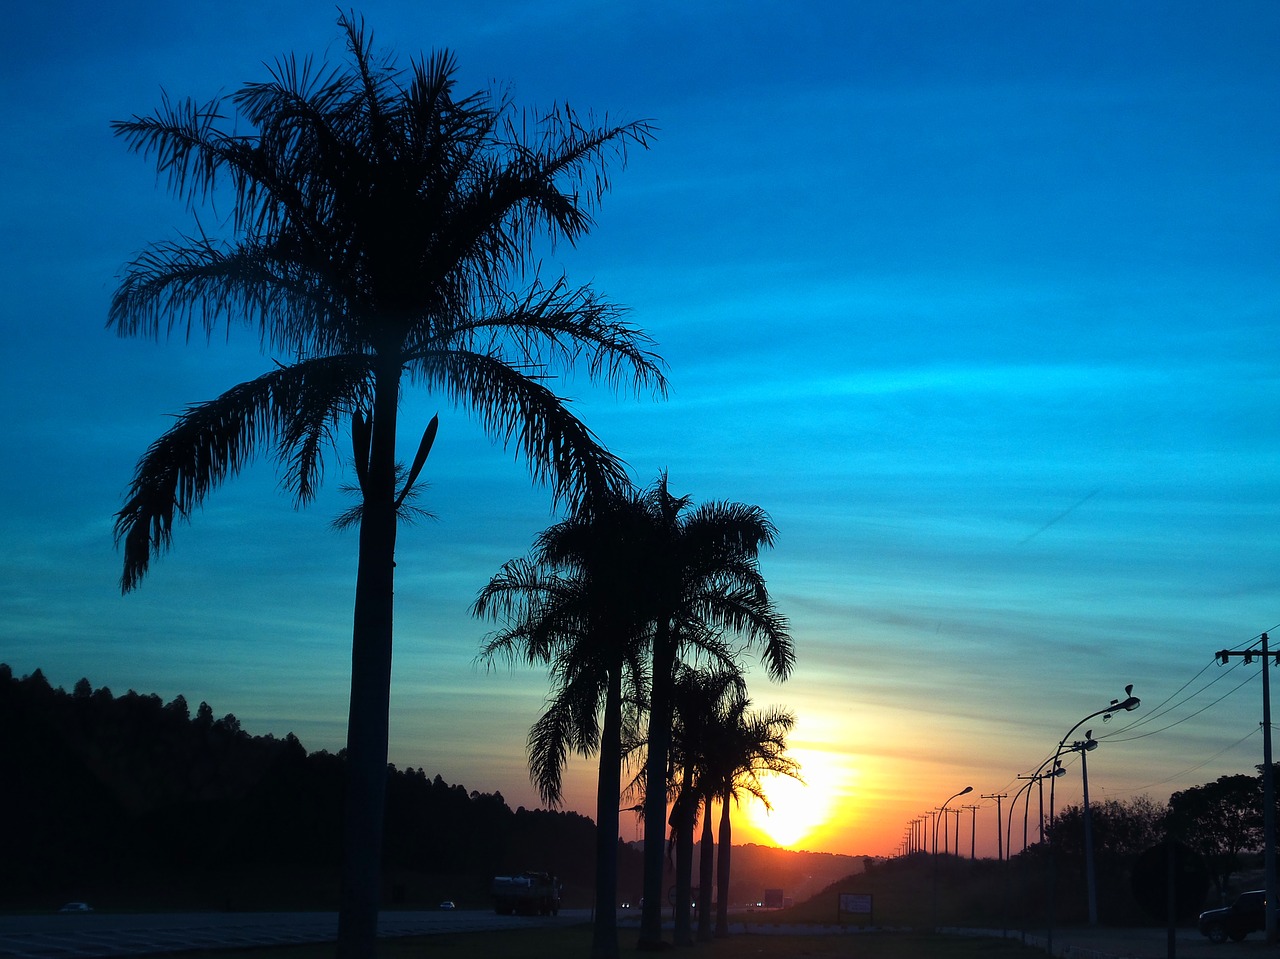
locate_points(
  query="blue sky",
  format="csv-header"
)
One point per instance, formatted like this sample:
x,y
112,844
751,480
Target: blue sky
x,y
977,299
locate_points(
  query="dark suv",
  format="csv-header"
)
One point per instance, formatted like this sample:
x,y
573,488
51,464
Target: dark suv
x,y
1247,914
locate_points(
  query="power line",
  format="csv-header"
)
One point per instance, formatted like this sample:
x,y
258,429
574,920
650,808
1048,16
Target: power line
x,y
1199,765
1172,703
1128,739
1165,706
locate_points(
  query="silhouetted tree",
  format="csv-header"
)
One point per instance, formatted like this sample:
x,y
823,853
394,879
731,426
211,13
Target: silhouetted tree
x,y
698,694
1220,820
379,222
744,744
705,572
577,605
1122,830
178,708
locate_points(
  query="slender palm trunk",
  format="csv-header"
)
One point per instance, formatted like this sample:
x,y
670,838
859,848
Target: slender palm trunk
x,y
706,868
366,784
722,865
683,821
655,790
604,934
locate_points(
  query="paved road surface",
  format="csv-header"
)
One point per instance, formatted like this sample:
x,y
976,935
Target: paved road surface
x,y
100,935
1105,942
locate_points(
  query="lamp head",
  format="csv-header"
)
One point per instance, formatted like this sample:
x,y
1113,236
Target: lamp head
x,y
1130,703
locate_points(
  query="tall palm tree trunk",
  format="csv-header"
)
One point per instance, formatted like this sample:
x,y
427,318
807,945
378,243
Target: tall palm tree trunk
x,y
655,790
683,821
604,935
366,784
706,868
722,864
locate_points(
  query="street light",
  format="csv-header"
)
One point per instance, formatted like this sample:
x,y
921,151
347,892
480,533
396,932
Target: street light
x,y
1128,704
941,811
1037,777
1088,745
1034,778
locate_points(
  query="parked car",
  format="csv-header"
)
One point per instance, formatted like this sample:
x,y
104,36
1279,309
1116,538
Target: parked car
x,y
1247,914
75,907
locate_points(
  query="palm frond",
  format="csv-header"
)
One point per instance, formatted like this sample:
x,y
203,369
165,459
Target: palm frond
x,y
562,145
515,409
186,143
213,440
548,747
569,724
198,283
407,511
551,328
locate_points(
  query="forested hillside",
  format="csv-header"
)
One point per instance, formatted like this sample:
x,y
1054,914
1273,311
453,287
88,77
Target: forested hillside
x,y
131,802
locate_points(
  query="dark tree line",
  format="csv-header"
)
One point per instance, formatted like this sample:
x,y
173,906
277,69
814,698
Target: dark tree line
x,y
1217,827
127,798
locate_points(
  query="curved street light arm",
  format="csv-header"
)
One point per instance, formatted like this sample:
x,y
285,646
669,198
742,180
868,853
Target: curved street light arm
x,y
1130,703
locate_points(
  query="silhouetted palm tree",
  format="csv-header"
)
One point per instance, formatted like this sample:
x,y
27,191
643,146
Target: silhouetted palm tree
x,y
382,233
743,744
698,696
719,749
575,605
706,576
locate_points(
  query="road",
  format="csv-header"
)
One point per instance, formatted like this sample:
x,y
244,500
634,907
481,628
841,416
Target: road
x,y
95,935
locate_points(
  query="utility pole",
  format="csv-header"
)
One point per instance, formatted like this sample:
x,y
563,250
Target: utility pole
x,y
999,821
973,831
1268,781
957,812
1032,780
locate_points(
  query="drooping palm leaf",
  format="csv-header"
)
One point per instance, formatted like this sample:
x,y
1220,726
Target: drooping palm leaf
x,y
290,408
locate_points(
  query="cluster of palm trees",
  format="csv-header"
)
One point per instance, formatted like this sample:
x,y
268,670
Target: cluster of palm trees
x,y
377,230
641,608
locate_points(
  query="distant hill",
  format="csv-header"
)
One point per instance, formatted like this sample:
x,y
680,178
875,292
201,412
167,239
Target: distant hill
x,y
800,875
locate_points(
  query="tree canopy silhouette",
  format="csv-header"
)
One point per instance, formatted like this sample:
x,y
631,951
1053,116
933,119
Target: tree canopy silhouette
x,y
383,232
575,605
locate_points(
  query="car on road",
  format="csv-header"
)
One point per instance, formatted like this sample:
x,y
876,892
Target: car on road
x,y
75,907
1247,914
448,904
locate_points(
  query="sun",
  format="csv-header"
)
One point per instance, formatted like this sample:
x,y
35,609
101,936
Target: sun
x,y
800,809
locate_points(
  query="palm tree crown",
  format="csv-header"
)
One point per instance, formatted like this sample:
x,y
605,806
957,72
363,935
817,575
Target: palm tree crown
x,y
378,221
